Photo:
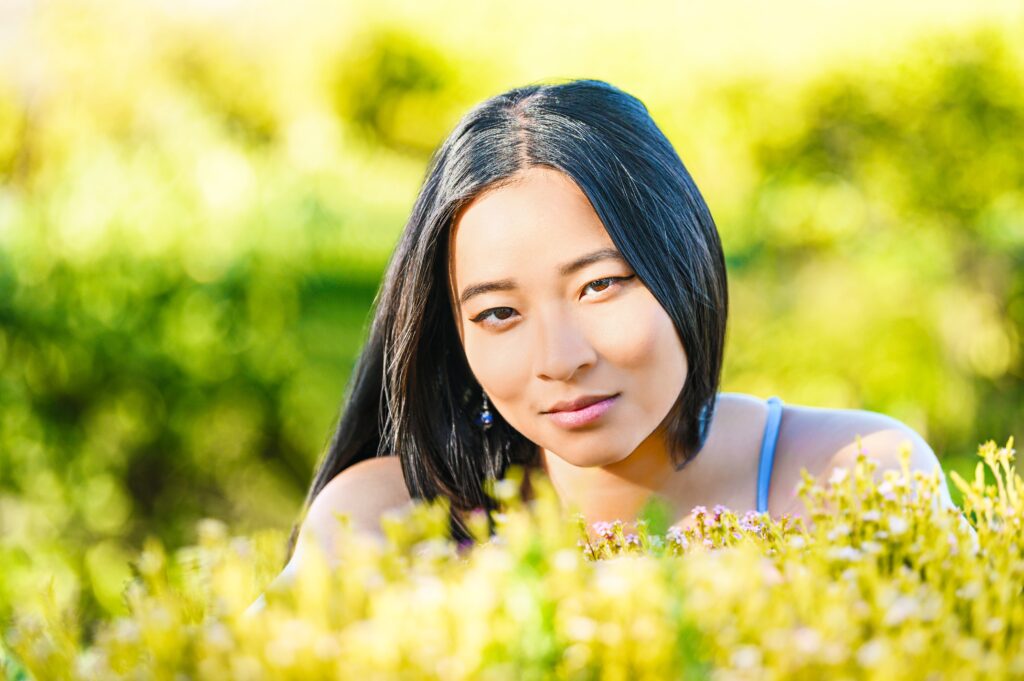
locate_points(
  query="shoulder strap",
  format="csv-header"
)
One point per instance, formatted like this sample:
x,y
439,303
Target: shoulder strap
x,y
768,441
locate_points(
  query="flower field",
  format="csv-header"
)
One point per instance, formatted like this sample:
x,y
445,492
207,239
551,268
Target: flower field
x,y
877,581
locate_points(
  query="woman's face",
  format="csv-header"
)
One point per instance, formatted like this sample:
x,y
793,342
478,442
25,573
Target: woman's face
x,y
549,312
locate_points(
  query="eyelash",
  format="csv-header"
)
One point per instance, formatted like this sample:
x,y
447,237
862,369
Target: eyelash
x,y
483,315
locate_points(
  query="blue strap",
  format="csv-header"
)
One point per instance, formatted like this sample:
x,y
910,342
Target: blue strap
x,y
764,468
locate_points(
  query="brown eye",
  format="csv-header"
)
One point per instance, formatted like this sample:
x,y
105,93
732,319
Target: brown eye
x,y
498,313
601,285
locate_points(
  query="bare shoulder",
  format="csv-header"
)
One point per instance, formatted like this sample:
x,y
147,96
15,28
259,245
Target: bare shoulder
x,y
823,440
364,492
376,480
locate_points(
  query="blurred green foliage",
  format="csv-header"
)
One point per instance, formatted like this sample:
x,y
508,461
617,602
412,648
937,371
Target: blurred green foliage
x,y
195,214
884,240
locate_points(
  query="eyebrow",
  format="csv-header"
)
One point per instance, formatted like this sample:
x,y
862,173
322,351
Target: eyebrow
x,y
563,270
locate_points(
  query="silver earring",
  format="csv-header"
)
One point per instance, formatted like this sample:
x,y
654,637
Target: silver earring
x,y
485,418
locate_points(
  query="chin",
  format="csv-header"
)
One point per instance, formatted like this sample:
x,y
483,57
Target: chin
x,y
583,456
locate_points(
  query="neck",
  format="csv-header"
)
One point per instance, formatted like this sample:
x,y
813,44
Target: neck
x,y
617,491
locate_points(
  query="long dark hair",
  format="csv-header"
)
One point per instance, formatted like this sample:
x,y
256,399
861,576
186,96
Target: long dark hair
x,y
412,393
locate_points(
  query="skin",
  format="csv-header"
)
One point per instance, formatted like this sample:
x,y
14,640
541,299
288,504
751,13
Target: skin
x,y
556,336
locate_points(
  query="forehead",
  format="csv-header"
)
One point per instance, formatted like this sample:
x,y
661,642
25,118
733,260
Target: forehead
x,y
540,219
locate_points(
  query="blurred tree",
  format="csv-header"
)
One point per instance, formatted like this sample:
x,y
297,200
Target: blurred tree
x,y
899,192
397,90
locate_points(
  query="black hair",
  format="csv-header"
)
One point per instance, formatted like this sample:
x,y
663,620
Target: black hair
x,y
412,393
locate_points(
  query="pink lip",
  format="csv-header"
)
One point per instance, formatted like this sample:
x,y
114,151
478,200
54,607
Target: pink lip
x,y
583,416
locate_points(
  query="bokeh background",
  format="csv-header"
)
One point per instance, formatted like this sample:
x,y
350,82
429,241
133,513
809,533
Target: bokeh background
x,y
197,201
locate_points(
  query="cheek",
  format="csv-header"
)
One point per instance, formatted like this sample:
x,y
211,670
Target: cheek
x,y
641,338
500,365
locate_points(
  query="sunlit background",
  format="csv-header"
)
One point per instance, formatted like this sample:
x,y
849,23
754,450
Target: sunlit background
x,y
197,201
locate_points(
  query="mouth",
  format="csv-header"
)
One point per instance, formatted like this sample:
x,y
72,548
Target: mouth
x,y
587,410
578,403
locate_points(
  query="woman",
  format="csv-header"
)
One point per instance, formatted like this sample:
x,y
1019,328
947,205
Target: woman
x,y
558,300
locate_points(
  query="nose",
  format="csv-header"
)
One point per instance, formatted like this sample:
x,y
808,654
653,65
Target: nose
x,y
562,347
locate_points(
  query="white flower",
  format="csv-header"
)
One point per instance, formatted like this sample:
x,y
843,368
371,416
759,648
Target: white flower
x,y
871,547
897,525
902,608
845,553
994,625
580,628
886,490
807,640
969,591
746,657
841,530
871,653
505,489
565,560
838,475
